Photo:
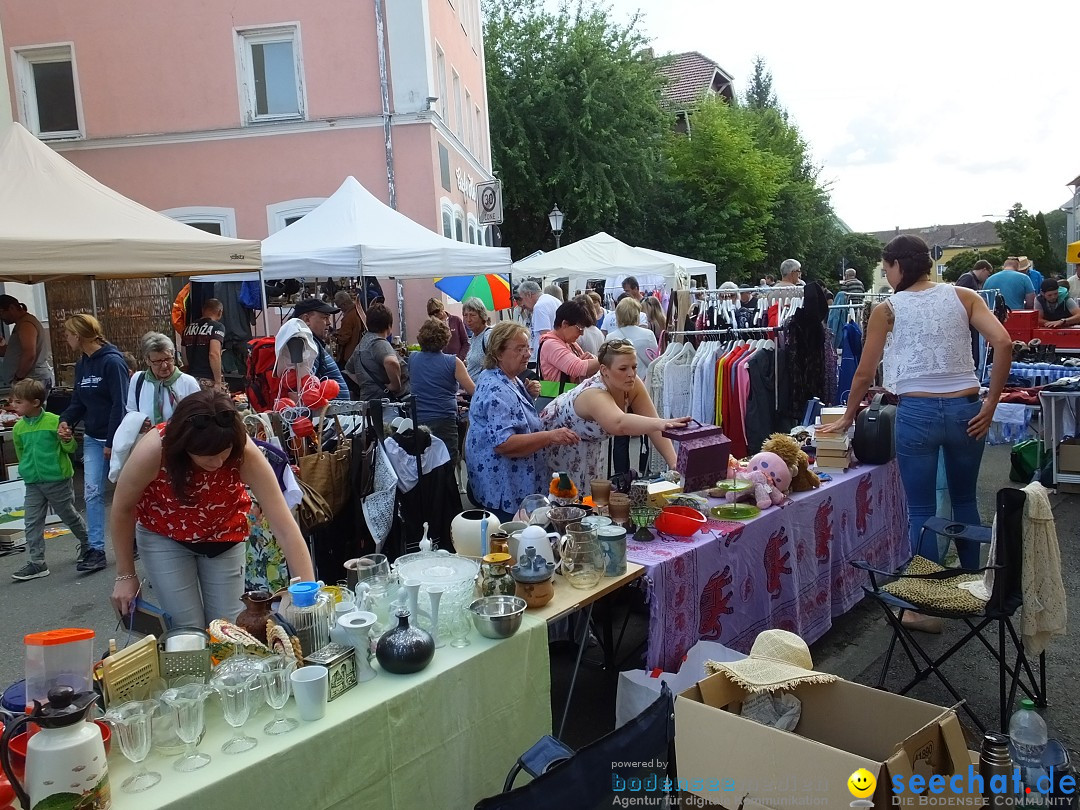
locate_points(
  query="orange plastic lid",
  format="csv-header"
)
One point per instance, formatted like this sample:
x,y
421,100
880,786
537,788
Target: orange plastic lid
x,y
64,636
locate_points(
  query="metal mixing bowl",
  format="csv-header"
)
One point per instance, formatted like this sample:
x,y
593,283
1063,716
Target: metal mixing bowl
x,y
497,616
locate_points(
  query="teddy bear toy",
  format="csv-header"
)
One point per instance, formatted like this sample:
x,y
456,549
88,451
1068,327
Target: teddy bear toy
x,y
770,477
783,445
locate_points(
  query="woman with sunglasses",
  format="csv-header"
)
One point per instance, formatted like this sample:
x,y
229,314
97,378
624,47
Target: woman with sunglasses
x,y
613,402
182,493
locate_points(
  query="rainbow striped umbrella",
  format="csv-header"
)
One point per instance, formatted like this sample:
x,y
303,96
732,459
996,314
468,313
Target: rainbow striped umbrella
x,y
492,289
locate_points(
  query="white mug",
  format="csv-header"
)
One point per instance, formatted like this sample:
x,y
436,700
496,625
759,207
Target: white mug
x,y
311,688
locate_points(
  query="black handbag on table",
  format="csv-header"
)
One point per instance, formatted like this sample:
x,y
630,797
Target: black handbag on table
x,y
875,432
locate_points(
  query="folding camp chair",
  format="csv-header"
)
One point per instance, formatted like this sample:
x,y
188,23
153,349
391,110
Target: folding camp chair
x,y
592,777
1005,598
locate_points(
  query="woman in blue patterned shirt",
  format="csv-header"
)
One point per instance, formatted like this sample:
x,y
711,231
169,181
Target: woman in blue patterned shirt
x,y
505,450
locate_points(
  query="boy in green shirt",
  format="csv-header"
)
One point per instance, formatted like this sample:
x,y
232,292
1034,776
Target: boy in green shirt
x,y
45,467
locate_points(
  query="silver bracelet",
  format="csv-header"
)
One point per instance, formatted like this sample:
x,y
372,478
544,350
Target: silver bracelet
x,y
122,577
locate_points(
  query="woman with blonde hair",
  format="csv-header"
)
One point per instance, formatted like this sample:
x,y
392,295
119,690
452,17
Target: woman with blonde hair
x,y
458,344
98,400
612,402
655,313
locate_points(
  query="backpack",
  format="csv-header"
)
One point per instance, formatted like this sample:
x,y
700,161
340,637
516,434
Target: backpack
x,y
250,296
261,382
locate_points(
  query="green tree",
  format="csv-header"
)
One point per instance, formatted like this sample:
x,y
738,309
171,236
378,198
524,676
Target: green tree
x,y
1019,235
863,252
1056,224
963,262
729,189
1046,260
573,100
759,93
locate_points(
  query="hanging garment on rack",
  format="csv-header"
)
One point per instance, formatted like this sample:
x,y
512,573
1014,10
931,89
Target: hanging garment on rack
x,y
435,500
378,505
806,330
435,454
677,384
828,355
761,412
837,318
851,346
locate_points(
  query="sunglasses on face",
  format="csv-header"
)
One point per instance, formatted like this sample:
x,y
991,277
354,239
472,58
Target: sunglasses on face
x,y
201,421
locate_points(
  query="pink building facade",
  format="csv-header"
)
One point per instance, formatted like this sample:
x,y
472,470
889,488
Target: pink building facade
x,y
241,117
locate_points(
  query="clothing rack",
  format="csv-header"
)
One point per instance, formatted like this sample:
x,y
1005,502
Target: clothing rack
x,y
733,331
374,408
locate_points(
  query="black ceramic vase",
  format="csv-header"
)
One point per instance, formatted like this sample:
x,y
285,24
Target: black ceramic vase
x,y
405,649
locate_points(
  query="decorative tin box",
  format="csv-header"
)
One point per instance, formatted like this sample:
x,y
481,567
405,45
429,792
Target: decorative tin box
x,y
341,661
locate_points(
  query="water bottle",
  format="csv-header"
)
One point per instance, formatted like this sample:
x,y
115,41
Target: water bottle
x,y
1027,741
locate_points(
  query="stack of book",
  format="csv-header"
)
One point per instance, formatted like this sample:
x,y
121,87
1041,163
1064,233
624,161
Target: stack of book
x,y
833,449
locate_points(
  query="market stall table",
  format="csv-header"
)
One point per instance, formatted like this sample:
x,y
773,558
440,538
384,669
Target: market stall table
x,y
444,737
788,568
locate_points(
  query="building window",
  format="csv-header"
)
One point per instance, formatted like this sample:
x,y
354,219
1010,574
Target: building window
x,y
468,123
221,221
447,222
271,77
472,233
444,166
281,215
47,91
457,107
478,134
459,228
440,63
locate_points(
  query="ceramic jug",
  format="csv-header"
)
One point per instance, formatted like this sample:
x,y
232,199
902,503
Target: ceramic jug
x,y
65,760
255,613
405,649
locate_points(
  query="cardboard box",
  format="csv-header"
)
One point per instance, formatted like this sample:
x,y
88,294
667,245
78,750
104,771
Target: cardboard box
x,y
726,759
1068,489
1069,457
658,492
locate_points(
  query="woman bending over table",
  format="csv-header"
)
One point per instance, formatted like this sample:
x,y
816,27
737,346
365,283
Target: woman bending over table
x,y
923,333
612,402
182,493
505,448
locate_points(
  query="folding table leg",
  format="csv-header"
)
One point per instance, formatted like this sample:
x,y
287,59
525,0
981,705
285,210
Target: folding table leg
x,y
577,665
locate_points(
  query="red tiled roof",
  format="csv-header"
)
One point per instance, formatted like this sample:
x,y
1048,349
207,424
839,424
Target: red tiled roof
x,y
690,75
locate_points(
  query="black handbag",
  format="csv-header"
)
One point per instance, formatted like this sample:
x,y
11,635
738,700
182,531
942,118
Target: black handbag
x,y
875,432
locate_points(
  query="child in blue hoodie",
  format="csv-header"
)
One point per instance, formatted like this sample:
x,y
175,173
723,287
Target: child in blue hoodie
x,y
98,401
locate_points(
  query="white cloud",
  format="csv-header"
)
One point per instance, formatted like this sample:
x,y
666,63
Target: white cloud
x,y
922,113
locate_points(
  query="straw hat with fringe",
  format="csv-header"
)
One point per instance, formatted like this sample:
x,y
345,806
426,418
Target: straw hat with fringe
x,y
778,660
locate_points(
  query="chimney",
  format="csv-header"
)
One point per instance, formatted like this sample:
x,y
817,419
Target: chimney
x,y
953,235
897,230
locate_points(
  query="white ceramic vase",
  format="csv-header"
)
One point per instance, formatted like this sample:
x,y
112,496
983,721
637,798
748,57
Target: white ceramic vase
x,y
470,531
355,630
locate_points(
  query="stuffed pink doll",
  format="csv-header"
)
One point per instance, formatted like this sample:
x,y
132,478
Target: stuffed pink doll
x,y
761,491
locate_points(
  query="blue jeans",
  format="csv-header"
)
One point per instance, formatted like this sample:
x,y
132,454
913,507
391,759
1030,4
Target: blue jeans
x,y
94,471
926,426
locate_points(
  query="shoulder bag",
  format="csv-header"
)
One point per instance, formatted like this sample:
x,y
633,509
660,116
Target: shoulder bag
x,y
550,389
327,472
875,436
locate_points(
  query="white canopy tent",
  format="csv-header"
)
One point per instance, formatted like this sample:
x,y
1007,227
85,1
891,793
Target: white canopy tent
x,y
693,267
354,233
603,256
57,221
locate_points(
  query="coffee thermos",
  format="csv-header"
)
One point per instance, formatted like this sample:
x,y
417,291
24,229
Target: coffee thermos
x,y
994,760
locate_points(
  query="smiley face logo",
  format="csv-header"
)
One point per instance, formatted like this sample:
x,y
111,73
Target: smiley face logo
x,y
862,784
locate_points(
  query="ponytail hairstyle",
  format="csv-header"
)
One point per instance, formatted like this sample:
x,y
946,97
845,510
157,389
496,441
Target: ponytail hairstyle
x,y
913,256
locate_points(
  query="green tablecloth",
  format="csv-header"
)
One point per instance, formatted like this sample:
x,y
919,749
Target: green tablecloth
x,y
443,738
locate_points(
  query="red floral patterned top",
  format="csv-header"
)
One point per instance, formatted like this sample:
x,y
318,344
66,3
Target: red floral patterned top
x,y
217,513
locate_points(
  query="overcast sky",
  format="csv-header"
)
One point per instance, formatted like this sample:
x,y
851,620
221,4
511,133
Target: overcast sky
x,y
921,113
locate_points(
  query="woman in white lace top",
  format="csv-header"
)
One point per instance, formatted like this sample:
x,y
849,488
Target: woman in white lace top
x,y
923,334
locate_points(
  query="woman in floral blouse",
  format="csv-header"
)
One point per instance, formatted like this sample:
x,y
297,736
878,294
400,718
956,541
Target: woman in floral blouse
x,y
505,450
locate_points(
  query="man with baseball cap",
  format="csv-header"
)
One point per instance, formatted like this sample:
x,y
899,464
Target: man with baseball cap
x,y
316,314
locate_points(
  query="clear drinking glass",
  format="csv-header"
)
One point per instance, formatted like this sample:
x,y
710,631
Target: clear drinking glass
x,y
276,688
189,703
460,627
236,703
132,721
374,569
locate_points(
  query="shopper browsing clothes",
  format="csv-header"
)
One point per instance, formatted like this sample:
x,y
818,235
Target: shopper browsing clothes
x,y
613,402
97,400
506,449
182,493
922,331
45,468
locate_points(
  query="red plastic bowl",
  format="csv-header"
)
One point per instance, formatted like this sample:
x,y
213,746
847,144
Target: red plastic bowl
x,y
17,746
681,521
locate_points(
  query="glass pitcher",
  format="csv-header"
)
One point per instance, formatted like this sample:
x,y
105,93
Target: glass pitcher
x,y
582,557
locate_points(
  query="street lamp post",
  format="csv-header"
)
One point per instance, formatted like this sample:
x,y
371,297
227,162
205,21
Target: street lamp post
x,y
555,219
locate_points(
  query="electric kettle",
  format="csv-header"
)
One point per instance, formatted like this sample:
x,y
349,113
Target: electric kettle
x,y
65,760
533,537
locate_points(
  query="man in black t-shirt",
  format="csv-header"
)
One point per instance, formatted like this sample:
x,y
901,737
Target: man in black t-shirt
x,y
976,276
202,346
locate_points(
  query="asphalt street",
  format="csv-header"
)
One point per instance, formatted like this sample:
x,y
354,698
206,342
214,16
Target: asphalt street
x,y
853,649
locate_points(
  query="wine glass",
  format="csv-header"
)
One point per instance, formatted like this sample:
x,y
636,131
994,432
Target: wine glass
x,y
236,703
132,721
189,703
277,685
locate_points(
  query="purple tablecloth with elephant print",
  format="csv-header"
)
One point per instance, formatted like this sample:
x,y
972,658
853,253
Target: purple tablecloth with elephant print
x,y
788,568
